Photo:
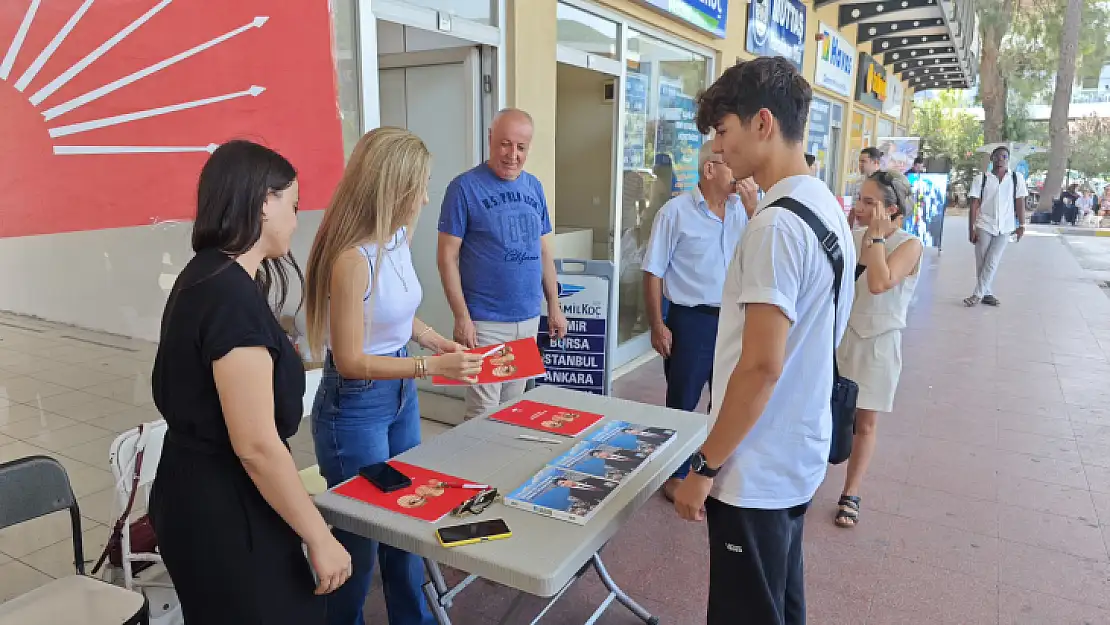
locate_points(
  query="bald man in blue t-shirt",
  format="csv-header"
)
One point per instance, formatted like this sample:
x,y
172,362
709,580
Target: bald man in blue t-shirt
x,y
495,256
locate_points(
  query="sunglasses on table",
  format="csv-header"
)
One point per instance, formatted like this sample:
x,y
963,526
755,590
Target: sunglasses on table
x,y
477,504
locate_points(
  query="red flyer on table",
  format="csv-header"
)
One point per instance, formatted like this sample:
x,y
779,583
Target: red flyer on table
x,y
427,499
518,360
547,418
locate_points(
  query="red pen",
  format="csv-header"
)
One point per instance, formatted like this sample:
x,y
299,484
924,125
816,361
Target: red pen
x,y
466,486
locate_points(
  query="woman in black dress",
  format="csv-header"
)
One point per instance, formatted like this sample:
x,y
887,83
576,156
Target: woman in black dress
x,y
228,506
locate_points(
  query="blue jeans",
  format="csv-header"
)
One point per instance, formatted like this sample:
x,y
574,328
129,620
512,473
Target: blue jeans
x,y
690,367
356,423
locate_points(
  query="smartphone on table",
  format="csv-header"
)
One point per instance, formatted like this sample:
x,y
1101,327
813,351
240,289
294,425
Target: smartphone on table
x,y
385,477
470,533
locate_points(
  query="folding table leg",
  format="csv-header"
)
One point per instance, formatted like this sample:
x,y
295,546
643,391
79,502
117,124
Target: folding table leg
x,y
620,595
434,591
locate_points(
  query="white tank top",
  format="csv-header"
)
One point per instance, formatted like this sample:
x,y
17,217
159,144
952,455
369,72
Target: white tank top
x,y
873,315
390,302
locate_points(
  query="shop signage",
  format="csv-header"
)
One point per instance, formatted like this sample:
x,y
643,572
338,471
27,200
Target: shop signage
x,y
835,57
777,28
577,361
895,95
820,111
709,15
871,82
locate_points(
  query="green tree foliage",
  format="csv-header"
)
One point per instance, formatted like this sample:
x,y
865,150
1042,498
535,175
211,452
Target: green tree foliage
x,y
1090,146
950,131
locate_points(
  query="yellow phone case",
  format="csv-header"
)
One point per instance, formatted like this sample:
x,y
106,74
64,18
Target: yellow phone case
x,y
471,541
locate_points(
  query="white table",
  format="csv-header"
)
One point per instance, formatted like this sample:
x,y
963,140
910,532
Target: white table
x,y
544,556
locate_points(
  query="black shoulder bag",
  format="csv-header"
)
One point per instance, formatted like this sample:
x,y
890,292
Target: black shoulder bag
x,y
844,391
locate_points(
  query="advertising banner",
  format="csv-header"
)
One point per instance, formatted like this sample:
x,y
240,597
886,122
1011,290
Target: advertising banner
x,y
777,28
899,152
708,15
580,360
895,96
871,82
925,217
819,128
678,136
835,57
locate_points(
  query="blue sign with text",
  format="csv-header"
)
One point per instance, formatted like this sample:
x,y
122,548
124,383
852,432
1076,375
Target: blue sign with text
x,y
578,360
709,15
777,28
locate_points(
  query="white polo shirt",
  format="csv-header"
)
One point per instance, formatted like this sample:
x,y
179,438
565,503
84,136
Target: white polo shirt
x,y
996,206
782,460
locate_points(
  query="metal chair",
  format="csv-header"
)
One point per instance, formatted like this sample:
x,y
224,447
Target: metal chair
x,y
34,487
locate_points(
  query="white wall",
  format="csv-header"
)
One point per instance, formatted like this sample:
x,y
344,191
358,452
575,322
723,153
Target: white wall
x,y
108,280
584,155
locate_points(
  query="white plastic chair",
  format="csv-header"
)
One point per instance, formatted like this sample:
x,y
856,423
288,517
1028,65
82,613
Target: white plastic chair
x,y
121,458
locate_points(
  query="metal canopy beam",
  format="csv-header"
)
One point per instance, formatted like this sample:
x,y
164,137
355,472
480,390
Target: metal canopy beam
x,y
918,53
938,62
869,31
891,44
855,13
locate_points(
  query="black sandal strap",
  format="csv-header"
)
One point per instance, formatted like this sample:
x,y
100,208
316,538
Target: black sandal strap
x,y
851,501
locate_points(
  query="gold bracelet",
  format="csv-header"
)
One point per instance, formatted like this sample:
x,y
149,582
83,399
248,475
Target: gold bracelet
x,y
420,336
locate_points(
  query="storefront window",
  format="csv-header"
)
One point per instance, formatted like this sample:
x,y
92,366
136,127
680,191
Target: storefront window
x,y
586,32
476,10
660,160
886,128
345,26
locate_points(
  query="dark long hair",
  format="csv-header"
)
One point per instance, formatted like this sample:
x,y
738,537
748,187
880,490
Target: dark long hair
x,y
234,184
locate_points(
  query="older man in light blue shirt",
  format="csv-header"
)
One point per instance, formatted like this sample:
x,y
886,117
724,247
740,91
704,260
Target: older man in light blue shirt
x,y
691,245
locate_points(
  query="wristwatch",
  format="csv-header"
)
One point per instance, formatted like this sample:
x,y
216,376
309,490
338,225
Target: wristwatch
x,y
699,465
877,240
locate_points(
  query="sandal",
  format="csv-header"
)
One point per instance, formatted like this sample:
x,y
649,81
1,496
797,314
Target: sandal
x,y
991,300
971,301
848,514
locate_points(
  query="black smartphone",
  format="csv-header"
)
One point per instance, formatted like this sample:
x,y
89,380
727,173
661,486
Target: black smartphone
x,y
385,477
470,533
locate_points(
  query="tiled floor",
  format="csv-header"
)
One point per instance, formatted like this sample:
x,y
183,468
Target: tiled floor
x,y
988,501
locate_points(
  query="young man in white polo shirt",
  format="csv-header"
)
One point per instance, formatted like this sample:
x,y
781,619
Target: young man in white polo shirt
x,y
997,211
767,451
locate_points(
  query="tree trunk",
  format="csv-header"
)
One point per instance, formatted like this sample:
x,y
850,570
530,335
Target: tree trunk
x,y
1058,134
994,23
992,91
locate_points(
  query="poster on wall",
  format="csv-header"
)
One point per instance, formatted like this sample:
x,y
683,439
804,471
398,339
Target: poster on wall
x,y
635,121
895,97
678,136
871,82
777,28
835,57
925,217
899,152
708,15
820,111
111,109
884,128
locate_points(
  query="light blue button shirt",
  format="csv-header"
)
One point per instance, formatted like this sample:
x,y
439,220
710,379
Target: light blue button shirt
x,y
690,248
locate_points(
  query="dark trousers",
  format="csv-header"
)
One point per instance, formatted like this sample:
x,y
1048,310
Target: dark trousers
x,y
690,367
756,574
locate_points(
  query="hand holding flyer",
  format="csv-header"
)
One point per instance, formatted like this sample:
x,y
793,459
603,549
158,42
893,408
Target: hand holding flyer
x,y
517,360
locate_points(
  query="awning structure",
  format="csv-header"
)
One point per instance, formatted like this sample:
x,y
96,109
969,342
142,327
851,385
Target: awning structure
x,y
931,44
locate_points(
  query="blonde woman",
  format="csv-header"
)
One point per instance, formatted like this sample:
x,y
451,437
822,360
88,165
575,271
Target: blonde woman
x,y
361,306
871,351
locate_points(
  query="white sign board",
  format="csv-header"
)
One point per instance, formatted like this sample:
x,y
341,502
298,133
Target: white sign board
x,y
895,94
835,58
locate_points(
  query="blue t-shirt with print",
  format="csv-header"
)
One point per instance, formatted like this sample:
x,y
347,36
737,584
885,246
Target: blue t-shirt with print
x,y
500,223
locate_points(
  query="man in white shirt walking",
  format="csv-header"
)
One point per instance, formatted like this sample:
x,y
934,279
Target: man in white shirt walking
x,y
691,244
997,211
769,446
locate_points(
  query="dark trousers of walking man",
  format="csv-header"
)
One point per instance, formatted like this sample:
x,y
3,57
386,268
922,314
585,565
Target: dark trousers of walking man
x,y
690,368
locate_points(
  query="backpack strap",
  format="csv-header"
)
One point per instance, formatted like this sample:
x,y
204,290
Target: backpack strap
x,y
830,243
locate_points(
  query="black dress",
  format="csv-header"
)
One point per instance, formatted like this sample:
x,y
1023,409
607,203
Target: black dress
x,y
232,559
